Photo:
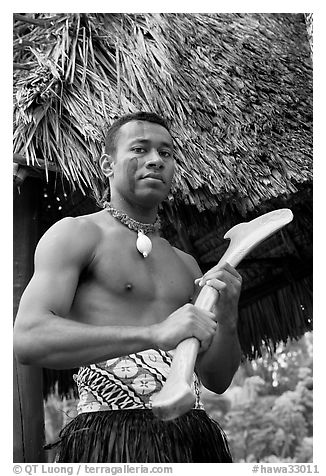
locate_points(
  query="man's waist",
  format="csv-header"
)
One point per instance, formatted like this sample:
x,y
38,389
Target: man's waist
x,y
127,382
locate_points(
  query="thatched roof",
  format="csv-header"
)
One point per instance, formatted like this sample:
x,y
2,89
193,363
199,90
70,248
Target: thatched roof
x,y
237,89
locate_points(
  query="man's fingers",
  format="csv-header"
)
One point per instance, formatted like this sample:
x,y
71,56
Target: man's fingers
x,y
216,284
233,271
206,318
226,271
205,336
204,344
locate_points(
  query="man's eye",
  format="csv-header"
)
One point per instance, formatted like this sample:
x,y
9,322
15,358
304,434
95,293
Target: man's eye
x,y
166,153
138,150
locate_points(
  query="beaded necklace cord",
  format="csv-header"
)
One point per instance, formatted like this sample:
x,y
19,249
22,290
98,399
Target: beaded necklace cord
x,y
143,242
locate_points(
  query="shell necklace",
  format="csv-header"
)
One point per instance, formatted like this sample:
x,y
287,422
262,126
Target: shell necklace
x,y
143,242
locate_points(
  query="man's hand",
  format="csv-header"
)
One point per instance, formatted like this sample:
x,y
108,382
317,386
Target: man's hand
x,y
227,281
187,321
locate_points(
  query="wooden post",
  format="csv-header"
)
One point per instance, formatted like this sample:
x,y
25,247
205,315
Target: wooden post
x,y
28,424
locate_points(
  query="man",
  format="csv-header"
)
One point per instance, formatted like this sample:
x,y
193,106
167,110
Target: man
x,y
110,296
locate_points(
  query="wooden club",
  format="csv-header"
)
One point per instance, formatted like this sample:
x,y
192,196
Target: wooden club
x,y
177,397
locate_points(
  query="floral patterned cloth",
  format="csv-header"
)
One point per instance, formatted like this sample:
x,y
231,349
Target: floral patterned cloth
x,y
127,382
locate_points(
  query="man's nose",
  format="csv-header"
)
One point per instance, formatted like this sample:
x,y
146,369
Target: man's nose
x,y
154,159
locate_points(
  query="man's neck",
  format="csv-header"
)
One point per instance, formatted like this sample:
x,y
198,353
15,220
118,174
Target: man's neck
x,y
135,211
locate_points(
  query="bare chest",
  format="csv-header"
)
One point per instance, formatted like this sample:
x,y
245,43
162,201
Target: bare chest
x,y
121,270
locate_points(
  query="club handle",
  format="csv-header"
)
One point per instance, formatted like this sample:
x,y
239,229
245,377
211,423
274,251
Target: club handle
x,y
177,394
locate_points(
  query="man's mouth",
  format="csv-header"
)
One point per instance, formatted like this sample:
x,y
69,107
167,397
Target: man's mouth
x,y
153,176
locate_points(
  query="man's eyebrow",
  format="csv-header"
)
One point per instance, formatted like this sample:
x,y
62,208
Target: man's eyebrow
x,y
146,141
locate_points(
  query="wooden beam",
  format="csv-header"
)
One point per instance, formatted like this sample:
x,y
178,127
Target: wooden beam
x,y
28,419
39,164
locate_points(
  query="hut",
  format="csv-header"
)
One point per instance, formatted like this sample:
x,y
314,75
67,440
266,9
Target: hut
x,y
237,91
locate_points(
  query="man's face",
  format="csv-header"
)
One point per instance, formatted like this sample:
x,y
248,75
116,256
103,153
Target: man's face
x,y
143,163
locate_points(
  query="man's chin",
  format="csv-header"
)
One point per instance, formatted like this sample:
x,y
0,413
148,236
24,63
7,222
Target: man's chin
x,y
151,197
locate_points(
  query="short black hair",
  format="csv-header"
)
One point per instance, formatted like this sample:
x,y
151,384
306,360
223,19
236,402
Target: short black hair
x,y
111,135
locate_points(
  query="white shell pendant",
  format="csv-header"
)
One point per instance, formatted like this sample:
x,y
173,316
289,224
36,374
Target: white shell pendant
x,y
143,244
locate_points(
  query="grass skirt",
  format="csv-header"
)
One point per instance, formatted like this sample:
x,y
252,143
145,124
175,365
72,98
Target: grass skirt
x,y
137,436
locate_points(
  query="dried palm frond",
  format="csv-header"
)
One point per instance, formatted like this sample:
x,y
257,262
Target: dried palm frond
x,y
236,88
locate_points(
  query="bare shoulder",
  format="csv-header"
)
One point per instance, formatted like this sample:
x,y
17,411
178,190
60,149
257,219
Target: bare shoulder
x,y
190,262
69,237
75,229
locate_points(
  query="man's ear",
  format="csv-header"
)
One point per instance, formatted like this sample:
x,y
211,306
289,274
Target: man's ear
x,y
106,162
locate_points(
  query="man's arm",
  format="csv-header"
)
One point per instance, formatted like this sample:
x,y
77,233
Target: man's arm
x,y
44,336
217,365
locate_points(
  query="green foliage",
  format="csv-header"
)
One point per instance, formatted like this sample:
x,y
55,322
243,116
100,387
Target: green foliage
x,y
269,416
57,413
